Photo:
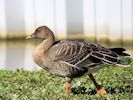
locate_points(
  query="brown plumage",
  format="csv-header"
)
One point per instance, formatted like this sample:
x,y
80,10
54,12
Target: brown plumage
x,y
72,59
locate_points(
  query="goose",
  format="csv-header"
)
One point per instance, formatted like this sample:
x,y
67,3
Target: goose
x,y
73,58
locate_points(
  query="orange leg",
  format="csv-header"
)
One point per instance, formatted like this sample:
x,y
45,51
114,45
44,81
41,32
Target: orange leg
x,y
68,82
101,91
67,88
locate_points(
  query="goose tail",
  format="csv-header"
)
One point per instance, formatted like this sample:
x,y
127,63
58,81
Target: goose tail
x,y
119,51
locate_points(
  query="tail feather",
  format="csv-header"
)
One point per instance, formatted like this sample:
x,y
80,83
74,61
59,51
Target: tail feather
x,y
120,51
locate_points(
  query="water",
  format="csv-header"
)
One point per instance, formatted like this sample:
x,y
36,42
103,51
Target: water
x,y
18,54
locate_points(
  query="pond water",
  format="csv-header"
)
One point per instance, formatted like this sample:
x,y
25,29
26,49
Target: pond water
x,y
18,54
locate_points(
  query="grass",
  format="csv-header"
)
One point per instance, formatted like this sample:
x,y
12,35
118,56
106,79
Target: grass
x,y
40,85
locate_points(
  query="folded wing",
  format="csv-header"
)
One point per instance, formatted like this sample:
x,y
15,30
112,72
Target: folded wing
x,y
82,54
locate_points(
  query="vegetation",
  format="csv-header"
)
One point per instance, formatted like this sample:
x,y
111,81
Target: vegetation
x,y
40,85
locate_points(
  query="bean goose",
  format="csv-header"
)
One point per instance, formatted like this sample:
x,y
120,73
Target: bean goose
x,y
72,58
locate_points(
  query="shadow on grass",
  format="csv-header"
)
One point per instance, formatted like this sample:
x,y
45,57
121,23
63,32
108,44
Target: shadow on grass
x,y
110,90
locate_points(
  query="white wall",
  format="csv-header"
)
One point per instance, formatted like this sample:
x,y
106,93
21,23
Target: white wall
x,y
101,18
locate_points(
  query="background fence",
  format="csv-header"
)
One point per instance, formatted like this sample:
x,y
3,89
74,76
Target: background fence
x,y
112,19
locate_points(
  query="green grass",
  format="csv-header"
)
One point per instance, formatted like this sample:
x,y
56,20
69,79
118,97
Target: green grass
x,y
40,85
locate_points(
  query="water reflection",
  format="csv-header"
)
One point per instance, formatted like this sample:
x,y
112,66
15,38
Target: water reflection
x,y
18,54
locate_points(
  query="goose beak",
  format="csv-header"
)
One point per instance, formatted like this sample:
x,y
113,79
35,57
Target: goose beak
x,y
29,37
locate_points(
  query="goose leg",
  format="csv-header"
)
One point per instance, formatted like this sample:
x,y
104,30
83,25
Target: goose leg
x,y
101,91
68,82
67,87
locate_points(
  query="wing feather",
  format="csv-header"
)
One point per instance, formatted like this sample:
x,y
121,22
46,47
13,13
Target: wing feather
x,y
82,54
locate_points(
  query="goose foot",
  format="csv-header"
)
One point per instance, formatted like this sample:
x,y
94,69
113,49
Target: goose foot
x,y
101,91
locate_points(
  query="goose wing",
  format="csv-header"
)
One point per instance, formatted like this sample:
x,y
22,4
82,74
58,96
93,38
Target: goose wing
x,y
82,54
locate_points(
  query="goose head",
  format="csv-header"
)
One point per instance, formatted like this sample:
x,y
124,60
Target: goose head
x,y
42,32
